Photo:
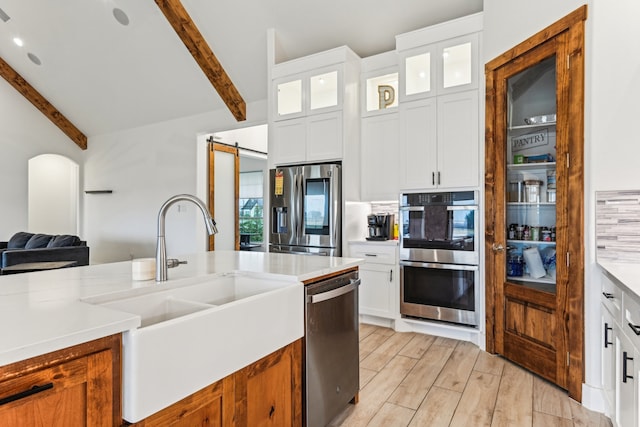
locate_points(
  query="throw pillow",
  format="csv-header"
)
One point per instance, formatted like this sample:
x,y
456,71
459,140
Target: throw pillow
x,y
38,241
62,240
19,240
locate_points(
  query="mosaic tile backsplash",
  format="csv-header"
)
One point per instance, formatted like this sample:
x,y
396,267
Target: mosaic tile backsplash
x,y
618,225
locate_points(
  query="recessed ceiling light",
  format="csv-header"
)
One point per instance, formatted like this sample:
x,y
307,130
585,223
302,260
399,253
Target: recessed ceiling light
x,y
18,41
34,58
120,16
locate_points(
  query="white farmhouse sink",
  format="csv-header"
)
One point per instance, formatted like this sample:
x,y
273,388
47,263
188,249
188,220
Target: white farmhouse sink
x,y
193,334
157,307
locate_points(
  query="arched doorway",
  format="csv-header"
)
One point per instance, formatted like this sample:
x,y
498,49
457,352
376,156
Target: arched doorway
x,y
53,195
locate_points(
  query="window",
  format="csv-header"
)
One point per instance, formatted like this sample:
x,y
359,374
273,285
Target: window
x,y
251,207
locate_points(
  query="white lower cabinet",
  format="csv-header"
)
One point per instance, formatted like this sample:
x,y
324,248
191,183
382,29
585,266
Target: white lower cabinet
x,y
379,291
620,351
609,345
626,383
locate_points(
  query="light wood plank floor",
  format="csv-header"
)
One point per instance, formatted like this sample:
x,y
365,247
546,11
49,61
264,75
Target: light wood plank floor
x,y
409,379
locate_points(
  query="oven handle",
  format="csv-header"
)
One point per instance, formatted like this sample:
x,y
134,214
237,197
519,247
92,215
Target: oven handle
x,y
462,208
439,266
449,208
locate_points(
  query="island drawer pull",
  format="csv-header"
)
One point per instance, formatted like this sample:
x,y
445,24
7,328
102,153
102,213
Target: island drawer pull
x,y
634,328
607,295
21,395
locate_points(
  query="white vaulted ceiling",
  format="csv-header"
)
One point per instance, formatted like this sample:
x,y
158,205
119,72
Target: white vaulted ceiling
x,y
104,76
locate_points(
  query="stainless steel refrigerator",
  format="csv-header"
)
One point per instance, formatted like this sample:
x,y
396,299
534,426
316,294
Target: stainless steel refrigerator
x,y
306,209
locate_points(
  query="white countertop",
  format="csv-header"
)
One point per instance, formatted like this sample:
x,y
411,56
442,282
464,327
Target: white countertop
x,y
626,273
42,312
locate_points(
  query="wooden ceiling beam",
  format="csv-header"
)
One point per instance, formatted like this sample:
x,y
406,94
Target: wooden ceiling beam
x,y
45,107
186,29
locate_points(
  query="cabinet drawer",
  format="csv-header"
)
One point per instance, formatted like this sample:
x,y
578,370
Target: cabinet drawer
x,y
51,396
631,321
611,297
374,254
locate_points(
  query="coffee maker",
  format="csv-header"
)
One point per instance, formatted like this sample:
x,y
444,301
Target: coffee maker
x,y
380,226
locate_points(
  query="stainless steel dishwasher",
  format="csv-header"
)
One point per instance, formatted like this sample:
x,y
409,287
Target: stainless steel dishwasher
x,y
331,372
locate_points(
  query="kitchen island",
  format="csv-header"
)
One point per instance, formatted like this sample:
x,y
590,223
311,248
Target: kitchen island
x,y
51,311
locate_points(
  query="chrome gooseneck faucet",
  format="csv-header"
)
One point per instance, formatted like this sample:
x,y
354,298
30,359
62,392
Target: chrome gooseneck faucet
x,y
161,247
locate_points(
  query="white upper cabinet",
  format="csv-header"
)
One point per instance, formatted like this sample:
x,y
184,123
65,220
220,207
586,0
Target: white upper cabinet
x,y
458,140
324,137
440,59
314,114
418,145
439,142
380,158
440,68
308,93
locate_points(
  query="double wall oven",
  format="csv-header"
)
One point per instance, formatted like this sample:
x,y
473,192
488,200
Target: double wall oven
x,y
439,256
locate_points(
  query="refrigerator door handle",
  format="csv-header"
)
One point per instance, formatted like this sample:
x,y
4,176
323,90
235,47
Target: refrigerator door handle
x,y
300,206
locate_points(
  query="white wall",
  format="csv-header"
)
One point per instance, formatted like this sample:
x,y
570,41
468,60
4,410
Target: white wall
x,y
613,151
509,22
144,167
24,133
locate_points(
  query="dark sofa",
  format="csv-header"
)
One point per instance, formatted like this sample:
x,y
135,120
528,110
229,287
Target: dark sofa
x,y
25,247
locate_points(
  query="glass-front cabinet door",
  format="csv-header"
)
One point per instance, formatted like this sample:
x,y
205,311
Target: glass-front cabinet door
x,y
289,98
439,68
417,74
458,68
323,90
308,93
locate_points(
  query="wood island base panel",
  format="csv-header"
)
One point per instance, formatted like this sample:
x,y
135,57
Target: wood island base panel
x,y
76,386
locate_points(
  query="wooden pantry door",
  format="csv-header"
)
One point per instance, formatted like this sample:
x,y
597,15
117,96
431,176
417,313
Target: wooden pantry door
x,y
534,139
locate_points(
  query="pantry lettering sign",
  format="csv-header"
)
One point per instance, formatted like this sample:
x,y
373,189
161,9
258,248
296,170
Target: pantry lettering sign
x,y
530,140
